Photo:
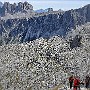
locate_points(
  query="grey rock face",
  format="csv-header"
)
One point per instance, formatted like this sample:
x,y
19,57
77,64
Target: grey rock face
x,y
50,9
47,25
14,8
24,7
76,42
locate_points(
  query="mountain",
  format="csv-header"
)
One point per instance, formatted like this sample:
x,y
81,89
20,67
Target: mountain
x,y
40,11
15,8
46,25
44,11
42,50
44,63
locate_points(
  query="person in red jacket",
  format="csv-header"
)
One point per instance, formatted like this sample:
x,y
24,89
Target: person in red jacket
x,y
76,83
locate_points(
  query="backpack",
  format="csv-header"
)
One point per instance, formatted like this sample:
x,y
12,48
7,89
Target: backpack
x,y
76,82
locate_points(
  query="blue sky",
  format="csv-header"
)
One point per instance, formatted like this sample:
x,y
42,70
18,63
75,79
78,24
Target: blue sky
x,y
55,4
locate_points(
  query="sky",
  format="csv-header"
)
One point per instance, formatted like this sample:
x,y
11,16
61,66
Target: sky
x,y
55,4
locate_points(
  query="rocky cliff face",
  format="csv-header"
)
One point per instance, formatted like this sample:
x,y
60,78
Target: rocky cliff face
x,y
14,8
31,27
45,25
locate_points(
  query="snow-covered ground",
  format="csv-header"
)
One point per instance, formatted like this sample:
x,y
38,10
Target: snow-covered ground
x,y
42,64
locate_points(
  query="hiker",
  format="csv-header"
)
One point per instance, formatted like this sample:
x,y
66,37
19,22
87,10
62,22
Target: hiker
x,y
71,81
76,83
87,82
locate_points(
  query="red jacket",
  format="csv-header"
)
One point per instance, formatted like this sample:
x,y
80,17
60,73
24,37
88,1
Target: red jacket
x,y
76,82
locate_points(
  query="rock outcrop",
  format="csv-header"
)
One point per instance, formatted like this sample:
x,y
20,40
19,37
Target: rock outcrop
x,y
46,25
14,8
